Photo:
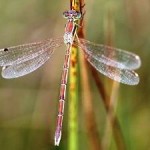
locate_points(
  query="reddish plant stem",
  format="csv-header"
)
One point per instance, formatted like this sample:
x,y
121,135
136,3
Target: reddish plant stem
x,y
92,131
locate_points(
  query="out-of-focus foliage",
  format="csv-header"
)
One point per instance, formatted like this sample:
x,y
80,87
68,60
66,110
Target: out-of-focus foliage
x,y
28,105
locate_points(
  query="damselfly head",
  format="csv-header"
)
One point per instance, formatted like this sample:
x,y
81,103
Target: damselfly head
x,y
72,14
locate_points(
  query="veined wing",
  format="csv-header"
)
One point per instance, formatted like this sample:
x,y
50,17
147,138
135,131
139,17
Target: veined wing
x,y
23,68
111,56
22,53
121,75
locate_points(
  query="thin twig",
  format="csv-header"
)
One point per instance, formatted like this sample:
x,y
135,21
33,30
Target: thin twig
x,y
91,126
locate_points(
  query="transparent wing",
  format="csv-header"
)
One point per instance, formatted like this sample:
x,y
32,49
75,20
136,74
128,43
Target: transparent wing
x,y
21,69
121,75
110,56
21,53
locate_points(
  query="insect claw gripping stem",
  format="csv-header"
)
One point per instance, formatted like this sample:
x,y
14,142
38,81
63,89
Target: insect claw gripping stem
x,y
82,6
83,10
83,14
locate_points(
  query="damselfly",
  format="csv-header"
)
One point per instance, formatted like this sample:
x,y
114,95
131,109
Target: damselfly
x,y
114,63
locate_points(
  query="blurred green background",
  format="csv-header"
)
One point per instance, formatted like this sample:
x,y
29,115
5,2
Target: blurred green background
x,y
28,105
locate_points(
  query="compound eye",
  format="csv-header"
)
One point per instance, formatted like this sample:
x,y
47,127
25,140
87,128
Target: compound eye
x,y
65,14
78,15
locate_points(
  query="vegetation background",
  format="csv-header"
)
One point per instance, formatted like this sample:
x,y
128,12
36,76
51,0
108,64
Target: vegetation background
x,y
28,105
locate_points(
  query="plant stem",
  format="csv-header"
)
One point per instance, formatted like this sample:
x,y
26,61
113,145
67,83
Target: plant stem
x,y
73,91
